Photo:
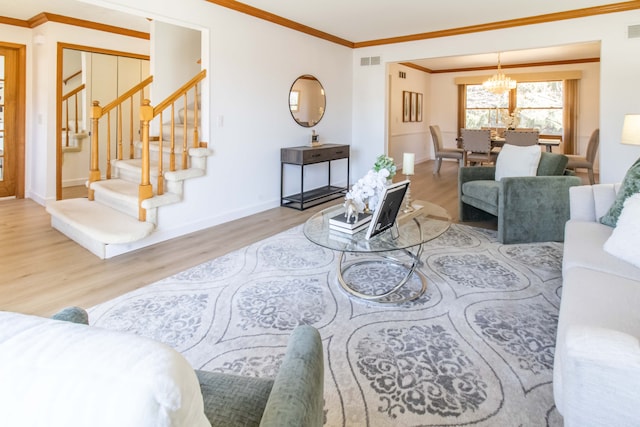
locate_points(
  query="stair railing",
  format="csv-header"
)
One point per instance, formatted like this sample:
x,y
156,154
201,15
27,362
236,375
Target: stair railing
x,y
98,112
66,99
149,113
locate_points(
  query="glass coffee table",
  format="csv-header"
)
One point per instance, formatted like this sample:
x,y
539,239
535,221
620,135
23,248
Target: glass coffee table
x,y
413,230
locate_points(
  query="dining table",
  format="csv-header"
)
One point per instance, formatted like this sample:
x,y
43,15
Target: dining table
x,y
497,142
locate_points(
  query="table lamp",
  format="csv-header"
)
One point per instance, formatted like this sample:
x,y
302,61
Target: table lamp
x,y
408,162
631,129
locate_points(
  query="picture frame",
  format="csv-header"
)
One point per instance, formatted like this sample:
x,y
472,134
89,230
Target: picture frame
x,y
385,214
414,105
419,107
406,106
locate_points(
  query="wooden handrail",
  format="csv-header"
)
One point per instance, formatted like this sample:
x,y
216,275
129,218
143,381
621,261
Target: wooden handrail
x,y
73,92
65,103
119,100
147,114
180,92
77,73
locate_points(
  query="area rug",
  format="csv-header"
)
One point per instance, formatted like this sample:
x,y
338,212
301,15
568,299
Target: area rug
x,y
476,349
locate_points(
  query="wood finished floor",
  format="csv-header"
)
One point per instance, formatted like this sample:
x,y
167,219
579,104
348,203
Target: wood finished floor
x,y
42,271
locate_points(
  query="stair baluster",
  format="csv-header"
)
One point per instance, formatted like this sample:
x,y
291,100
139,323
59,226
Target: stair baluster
x,y
94,169
145,190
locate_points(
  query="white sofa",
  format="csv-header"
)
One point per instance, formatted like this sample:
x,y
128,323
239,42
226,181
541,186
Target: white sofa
x,y
596,378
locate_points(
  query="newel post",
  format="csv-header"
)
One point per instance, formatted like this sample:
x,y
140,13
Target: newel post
x,y
94,168
145,190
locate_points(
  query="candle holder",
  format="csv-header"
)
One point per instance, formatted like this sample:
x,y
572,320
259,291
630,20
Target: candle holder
x,y
407,204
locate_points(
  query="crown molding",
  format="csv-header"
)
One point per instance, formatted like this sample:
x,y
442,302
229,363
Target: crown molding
x,y
270,17
45,17
499,25
275,19
15,22
493,67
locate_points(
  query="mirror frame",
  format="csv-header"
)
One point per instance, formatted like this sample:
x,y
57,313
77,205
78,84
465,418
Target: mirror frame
x,y
300,94
59,88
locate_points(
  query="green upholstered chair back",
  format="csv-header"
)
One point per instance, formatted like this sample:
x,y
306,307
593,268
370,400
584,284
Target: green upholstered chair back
x,y
552,164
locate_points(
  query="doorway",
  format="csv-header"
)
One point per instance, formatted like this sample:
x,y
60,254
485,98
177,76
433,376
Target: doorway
x,y
12,119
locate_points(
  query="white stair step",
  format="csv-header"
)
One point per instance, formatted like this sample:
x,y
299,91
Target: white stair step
x,y
117,193
94,225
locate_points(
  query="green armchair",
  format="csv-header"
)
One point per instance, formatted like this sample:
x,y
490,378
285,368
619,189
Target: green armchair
x,y
102,378
529,209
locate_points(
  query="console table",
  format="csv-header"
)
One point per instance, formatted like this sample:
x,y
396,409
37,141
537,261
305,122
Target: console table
x,y
303,156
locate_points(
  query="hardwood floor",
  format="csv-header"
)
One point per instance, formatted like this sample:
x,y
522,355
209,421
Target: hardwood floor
x,y
43,271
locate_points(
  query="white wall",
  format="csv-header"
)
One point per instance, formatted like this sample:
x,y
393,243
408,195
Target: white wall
x,y
251,65
619,82
408,137
175,52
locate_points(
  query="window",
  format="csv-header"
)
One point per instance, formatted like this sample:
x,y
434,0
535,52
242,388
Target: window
x,y
294,100
483,107
539,106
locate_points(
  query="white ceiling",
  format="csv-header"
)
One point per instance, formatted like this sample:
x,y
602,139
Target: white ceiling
x,y
364,20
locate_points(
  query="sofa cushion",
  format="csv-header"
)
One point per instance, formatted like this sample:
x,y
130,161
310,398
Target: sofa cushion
x,y
590,202
624,242
584,247
606,307
514,160
482,194
57,373
630,185
552,164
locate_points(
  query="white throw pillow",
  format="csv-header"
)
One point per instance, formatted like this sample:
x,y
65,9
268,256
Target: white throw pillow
x,y
62,374
514,160
624,241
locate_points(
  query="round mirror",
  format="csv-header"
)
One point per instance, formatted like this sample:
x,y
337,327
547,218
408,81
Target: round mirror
x,y
307,101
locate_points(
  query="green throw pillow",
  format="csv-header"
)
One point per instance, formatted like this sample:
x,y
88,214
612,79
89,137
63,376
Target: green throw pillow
x,y
630,185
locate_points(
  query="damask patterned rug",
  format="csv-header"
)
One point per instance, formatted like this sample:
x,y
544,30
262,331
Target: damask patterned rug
x,y
476,349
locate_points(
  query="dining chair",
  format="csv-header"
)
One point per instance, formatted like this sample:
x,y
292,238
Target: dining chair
x,y
586,161
521,138
440,152
477,146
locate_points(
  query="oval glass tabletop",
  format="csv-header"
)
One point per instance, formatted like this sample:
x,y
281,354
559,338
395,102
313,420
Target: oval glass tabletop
x,y
425,223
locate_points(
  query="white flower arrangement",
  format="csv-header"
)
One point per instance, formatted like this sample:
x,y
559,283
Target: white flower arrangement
x,y
512,120
367,190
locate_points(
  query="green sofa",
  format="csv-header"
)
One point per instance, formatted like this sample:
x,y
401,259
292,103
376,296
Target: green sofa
x,y
529,209
93,376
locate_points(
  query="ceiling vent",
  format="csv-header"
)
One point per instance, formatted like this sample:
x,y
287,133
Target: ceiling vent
x,y
370,60
633,31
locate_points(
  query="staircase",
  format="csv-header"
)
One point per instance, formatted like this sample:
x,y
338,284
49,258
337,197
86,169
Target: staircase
x,y
123,206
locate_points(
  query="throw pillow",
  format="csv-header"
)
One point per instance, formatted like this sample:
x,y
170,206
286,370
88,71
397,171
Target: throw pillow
x,y
623,242
514,160
630,185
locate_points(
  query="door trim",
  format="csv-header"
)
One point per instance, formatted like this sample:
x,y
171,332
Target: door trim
x,y
19,121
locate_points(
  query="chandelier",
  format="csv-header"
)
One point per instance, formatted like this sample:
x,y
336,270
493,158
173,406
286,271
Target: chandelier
x,y
499,83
